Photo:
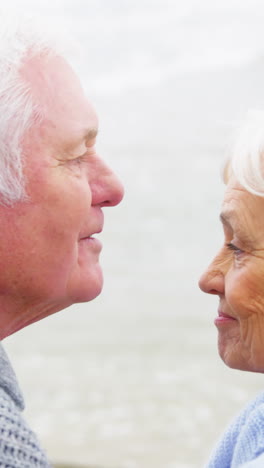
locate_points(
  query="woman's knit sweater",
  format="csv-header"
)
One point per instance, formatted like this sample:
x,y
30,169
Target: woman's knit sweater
x,y
243,441
19,447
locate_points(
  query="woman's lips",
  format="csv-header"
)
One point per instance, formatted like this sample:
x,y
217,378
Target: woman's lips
x,y
224,319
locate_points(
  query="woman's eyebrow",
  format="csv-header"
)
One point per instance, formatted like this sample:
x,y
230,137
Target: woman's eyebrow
x,y
225,218
230,219
232,222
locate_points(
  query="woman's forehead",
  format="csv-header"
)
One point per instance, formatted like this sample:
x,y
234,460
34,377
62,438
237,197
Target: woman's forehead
x,y
241,207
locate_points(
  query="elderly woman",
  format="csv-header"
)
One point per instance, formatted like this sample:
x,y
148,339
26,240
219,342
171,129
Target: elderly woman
x,y
236,276
53,188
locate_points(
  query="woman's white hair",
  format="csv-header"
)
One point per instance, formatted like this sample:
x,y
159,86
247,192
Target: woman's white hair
x,y
18,111
246,157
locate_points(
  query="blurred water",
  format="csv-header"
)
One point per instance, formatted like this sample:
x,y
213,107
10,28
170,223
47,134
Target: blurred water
x,y
133,379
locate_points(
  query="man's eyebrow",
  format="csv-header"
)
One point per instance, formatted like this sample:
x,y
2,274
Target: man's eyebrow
x,y
84,137
90,134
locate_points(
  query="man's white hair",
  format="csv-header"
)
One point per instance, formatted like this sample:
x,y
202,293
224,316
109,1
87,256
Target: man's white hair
x,y
18,111
246,157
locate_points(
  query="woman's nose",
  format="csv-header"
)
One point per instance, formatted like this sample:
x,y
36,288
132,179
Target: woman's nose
x,y
212,280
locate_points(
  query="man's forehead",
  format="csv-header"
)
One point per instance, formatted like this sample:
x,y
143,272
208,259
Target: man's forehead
x,y
69,119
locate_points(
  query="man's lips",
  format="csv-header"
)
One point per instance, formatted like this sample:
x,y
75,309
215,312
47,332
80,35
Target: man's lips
x,y
90,235
90,244
88,241
94,226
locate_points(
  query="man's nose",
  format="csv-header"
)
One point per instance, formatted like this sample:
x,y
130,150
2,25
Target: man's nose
x,y
116,191
107,189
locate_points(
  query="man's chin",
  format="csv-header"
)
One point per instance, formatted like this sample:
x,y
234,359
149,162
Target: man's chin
x,y
87,296
88,290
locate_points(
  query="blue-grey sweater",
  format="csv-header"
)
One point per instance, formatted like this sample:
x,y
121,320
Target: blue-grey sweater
x,y
19,447
242,445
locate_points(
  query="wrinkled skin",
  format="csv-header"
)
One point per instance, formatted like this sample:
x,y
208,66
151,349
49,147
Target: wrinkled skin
x,y
49,258
236,275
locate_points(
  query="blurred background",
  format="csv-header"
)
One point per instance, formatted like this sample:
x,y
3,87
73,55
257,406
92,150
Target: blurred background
x,y
133,379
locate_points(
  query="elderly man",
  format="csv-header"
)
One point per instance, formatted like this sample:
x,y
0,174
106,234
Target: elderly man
x,y
53,186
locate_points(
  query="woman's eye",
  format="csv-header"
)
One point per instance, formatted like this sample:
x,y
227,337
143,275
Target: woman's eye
x,y
237,251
